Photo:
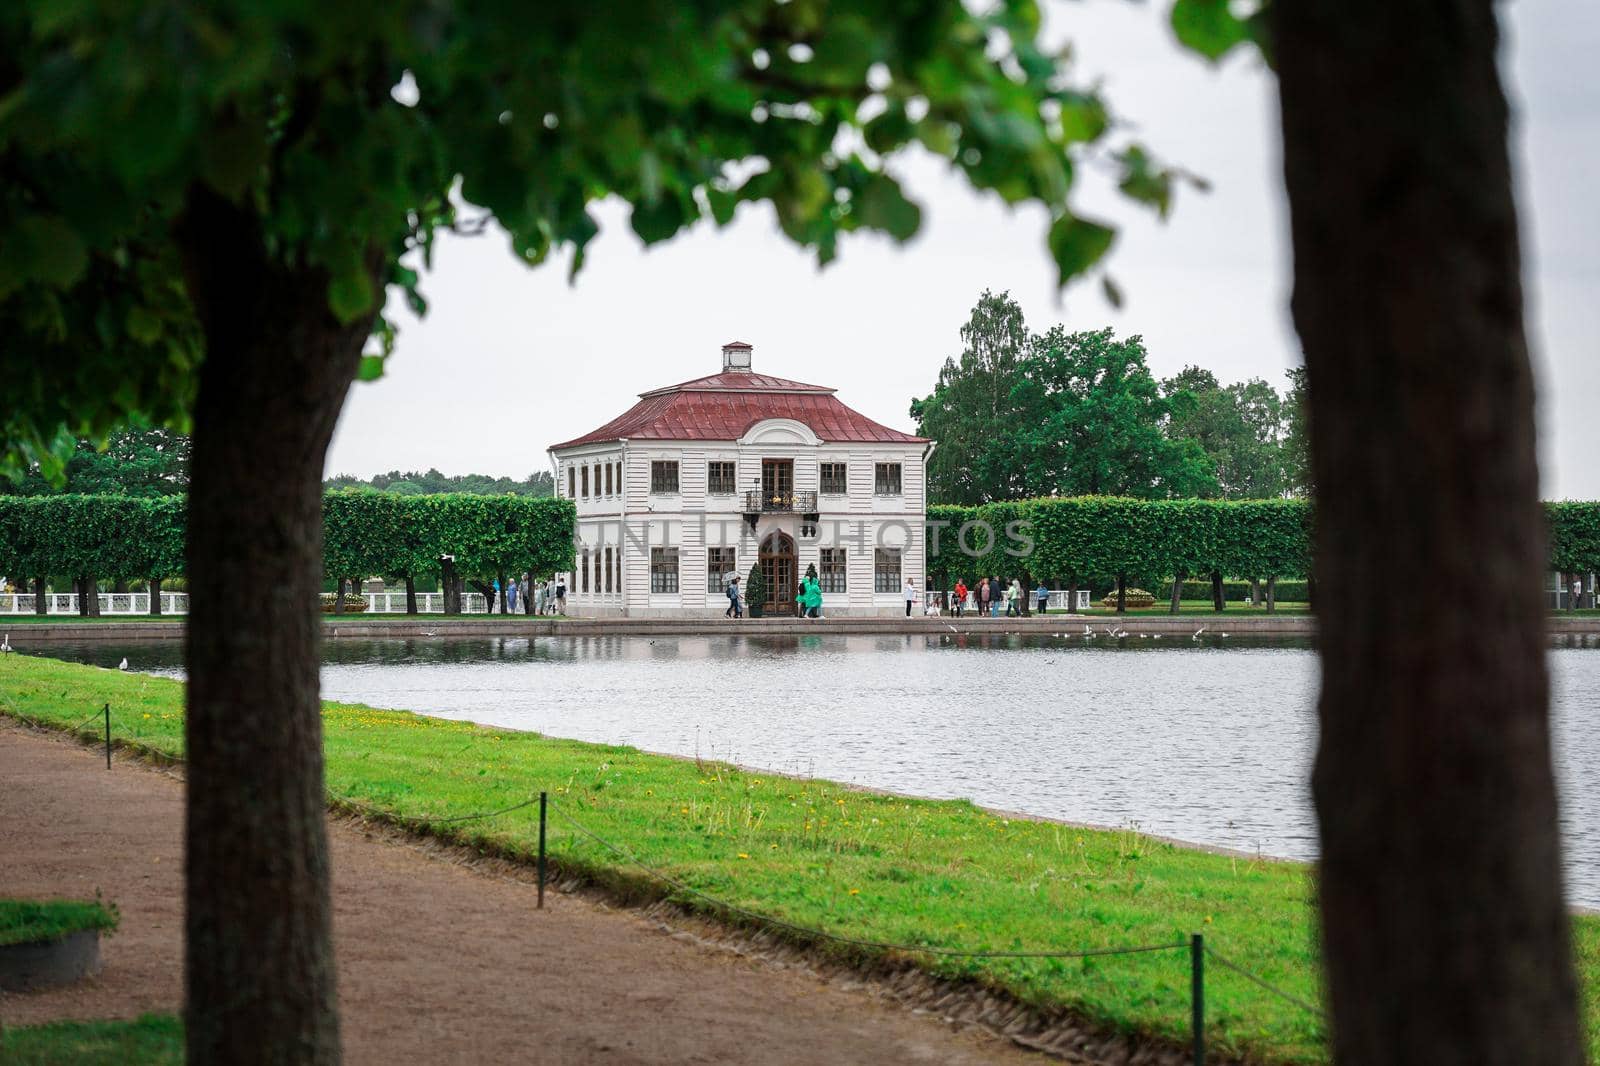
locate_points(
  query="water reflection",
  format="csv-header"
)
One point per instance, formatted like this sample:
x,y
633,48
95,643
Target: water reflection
x,y
1206,740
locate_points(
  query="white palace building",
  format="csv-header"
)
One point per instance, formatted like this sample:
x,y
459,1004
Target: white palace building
x,y
700,481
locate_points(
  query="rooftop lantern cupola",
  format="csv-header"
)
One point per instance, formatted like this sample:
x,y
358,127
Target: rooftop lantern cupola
x,y
736,356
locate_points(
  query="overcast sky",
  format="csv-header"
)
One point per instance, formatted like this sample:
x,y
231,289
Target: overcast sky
x,y
510,360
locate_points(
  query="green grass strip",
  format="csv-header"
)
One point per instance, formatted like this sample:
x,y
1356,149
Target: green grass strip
x,y
151,1040
26,921
862,865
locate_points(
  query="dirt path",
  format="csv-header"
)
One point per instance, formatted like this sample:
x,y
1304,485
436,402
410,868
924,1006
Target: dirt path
x,y
437,963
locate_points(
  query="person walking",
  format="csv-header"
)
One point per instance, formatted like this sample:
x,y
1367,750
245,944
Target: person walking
x,y
511,597
561,596
810,597
984,594
1577,591
910,593
997,596
961,598
1042,593
1014,602
734,610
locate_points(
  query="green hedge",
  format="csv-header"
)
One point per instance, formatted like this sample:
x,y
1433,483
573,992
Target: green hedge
x,y
1091,539
364,532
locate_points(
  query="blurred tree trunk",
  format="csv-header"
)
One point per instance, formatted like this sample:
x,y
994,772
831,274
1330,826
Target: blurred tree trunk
x,y
1444,930
1177,593
41,598
411,594
155,595
259,965
1219,601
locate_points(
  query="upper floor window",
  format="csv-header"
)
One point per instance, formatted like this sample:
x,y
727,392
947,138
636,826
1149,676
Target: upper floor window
x,y
886,479
583,480
572,482
664,478
831,575
664,568
835,480
721,478
611,487
886,570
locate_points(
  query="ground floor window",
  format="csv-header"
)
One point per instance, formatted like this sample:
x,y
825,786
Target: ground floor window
x,y
720,568
831,573
611,561
597,561
663,569
583,570
886,570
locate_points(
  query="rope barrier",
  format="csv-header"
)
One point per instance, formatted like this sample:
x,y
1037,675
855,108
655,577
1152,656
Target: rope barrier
x,y
1264,983
879,945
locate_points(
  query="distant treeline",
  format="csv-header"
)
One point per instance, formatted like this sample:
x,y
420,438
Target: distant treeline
x,y
85,539
433,483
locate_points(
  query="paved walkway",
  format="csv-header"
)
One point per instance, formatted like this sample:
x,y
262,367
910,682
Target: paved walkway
x,y
437,963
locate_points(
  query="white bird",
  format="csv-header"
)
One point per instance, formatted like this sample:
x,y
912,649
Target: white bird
x,y
1197,633
6,646
1223,635
123,665
1087,631
951,628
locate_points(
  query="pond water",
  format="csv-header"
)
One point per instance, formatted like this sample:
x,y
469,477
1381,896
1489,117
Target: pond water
x,y
1209,742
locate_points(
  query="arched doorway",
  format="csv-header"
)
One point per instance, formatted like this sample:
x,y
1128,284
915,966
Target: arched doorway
x,y
777,569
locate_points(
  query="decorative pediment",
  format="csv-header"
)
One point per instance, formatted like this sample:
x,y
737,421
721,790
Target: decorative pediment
x,y
780,431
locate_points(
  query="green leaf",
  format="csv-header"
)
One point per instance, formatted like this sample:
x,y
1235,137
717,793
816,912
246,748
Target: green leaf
x,y
882,206
1077,244
371,368
52,249
1112,291
143,326
350,294
1208,27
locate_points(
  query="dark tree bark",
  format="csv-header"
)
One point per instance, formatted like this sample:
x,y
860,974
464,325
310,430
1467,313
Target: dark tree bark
x,y
1255,593
1219,602
450,585
90,597
1072,595
338,595
504,606
411,594
1177,593
1122,593
1444,931
259,968
1272,594
41,598
155,595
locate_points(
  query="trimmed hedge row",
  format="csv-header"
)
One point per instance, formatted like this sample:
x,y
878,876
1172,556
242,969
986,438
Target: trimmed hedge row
x,y
364,532
1089,540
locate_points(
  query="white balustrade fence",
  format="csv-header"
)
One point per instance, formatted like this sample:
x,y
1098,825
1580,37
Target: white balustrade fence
x,y
427,603
121,603
1057,602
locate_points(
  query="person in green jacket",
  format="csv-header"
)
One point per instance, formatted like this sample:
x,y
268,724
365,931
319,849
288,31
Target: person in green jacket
x,y
809,598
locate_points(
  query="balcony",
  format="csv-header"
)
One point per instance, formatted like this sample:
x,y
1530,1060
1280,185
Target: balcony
x,y
780,502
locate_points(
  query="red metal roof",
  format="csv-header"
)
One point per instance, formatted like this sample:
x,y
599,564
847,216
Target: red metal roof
x,y
724,407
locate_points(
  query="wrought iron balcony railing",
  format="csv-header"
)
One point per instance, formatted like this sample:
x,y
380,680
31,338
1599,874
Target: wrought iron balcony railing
x,y
760,501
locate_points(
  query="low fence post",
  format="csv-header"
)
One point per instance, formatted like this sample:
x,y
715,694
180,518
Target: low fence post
x,y
1197,995
108,736
543,803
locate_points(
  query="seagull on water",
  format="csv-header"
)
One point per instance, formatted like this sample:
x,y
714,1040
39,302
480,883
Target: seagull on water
x,y
1197,633
123,665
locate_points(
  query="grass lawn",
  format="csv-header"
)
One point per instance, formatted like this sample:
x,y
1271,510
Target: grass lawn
x,y
24,921
942,874
1202,607
31,619
152,1040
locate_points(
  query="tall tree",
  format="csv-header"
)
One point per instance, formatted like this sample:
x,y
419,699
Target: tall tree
x,y
1090,419
1239,426
1297,435
138,460
970,411
242,179
1445,934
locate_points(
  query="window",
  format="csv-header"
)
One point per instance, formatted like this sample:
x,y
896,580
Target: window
x,y
610,561
886,479
572,482
886,569
597,569
664,567
835,479
583,480
583,569
720,566
610,485
831,574
664,477
720,478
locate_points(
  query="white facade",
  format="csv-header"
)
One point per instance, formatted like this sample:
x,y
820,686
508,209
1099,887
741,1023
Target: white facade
x,y
663,522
